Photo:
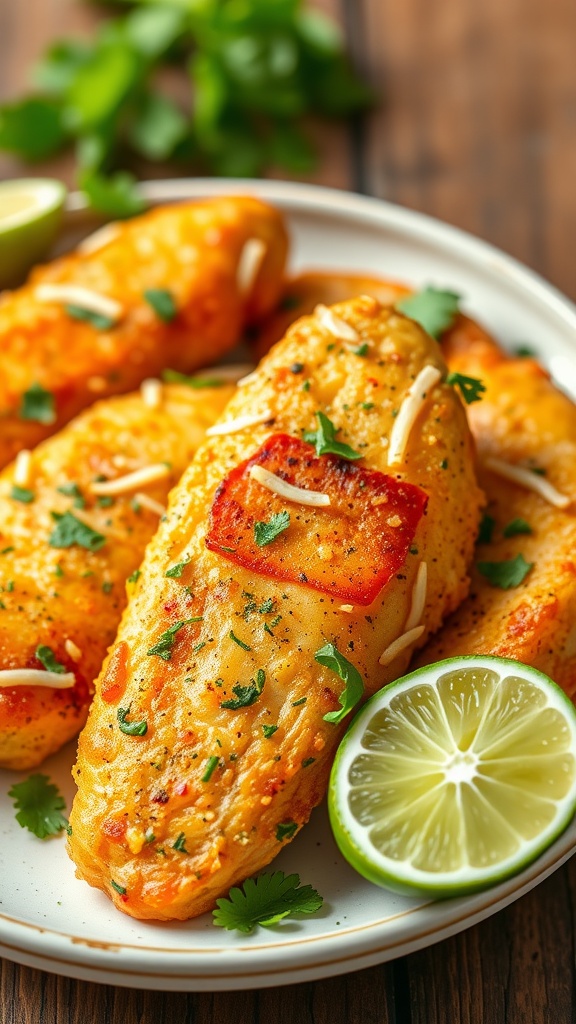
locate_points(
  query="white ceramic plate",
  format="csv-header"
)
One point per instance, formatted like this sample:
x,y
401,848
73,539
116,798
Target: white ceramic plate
x,y
50,920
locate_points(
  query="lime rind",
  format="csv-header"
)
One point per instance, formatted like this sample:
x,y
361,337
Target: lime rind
x,y
30,229
536,792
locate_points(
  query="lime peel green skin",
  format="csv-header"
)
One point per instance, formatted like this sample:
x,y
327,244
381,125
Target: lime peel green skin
x,y
26,243
445,890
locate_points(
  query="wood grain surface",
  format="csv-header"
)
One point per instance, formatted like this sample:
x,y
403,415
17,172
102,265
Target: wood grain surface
x,y
477,126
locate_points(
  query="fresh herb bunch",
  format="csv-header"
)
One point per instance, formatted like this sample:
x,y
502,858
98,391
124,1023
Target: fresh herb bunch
x,y
255,69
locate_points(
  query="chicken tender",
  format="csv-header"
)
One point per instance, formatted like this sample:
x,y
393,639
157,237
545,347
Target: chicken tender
x,y
73,528
172,288
262,611
522,421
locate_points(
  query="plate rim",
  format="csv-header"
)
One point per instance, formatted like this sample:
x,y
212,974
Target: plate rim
x,y
88,959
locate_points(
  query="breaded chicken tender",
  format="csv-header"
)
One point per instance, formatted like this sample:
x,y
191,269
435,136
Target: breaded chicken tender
x,y
320,534
172,288
522,422
75,517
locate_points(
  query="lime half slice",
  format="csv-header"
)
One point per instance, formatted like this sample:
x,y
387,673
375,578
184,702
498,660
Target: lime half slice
x,y
455,777
30,213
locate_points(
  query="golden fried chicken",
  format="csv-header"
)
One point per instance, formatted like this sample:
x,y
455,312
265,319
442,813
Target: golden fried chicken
x,y
75,517
172,288
523,422
320,534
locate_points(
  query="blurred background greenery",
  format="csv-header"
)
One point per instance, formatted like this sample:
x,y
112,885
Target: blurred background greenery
x,y
223,87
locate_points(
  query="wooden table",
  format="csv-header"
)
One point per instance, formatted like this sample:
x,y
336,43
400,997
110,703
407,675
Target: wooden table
x,y
477,127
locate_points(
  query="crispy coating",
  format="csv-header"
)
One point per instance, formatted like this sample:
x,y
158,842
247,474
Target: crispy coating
x,y
206,797
304,291
72,598
523,419
196,251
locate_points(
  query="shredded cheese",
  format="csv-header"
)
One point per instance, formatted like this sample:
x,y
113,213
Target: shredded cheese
x,y
248,379
80,296
23,468
346,607
289,491
418,598
233,372
411,406
149,503
531,481
98,239
132,481
240,423
36,677
335,325
249,264
72,650
400,645
151,392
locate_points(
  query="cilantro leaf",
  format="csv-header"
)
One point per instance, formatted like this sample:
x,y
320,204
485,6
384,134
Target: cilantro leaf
x,y
33,127
285,830
39,804
330,656
269,730
22,494
180,843
131,728
515,527
38,405
433,308
163,647
265,901
470,388
89,316
246,695
324,439
174,377
69,531
134,576
265,533
175,571
506,574
486,529
162,302
47,658
116,195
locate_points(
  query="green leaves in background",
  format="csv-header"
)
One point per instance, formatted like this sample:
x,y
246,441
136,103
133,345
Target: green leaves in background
x,y
249,71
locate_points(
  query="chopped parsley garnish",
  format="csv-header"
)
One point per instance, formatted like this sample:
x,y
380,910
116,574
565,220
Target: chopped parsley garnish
x,y
134,576
211,765
433,308
324,439
89,316
163,647
174,377
118,888
267,606
131,728
39,805
269,731
524,352
308,761
107,587
285,830
297,703
515,527
265,901
330,656
175,571
22,494
470,388
486,529
47,658
296,367
505,574
360,350
245,647
38,405
70,530
306,385
246,695
265,533
70,489
367,405
103,501
180,843
162,302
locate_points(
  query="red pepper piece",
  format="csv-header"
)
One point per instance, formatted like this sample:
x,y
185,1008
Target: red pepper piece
x,y
349,549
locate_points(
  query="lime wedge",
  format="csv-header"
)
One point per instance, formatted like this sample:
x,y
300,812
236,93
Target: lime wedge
x,y
455,777
30,213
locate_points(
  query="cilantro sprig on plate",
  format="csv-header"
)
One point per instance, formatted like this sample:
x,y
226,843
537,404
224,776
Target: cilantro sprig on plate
x,y
39,805
258,70
330,656
265,901
324,439
435,309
